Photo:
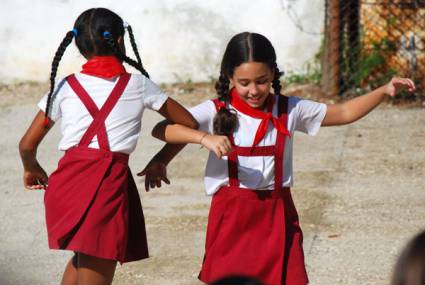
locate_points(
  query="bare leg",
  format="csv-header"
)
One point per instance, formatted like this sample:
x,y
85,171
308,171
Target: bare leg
x,y
70,273
95,271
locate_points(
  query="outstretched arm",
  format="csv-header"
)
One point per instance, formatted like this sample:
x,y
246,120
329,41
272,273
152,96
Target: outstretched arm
x,y
34,175
354,109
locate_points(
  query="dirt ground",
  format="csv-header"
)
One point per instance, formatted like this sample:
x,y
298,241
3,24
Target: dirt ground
x,y
359,190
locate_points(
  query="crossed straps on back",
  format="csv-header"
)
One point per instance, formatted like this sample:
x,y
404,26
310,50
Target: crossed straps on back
x,y
97,127
276,150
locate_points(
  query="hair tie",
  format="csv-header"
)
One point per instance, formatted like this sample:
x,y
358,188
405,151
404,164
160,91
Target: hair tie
x,y
106,34
75,32
221,105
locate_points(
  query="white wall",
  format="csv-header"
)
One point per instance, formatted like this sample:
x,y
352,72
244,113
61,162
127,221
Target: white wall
x,y
178,40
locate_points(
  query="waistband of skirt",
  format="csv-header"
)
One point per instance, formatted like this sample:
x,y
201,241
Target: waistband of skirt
x,y
98,153
253,193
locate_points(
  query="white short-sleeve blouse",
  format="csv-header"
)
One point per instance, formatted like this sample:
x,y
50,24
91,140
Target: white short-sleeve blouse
x,y
123,123
258,172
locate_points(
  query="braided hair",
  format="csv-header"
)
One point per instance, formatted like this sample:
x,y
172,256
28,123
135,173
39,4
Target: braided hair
x,y
133,44
55,63
96,33
242,48
225,121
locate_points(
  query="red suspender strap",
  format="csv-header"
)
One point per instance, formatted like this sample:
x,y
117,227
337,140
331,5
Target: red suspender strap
x,y
255,151
99,120
280,144
91,107
232,164
97,127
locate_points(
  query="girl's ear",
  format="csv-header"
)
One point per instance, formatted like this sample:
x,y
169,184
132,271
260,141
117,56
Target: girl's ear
x,y
120,42
232,82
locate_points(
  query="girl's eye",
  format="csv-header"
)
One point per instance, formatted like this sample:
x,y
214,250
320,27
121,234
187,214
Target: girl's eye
x,y
261,82
243,83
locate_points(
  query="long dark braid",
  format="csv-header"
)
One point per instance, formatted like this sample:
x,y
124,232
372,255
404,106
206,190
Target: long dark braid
x,y
134,45
55,63
225,121
222,87
118,53
276,80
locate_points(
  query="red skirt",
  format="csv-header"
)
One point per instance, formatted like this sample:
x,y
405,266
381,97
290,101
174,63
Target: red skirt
x,y
93,207
254,233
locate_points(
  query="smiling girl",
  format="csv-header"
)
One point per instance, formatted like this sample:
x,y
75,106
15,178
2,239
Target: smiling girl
x,y
253,226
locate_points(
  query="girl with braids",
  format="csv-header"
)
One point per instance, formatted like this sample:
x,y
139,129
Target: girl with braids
x,y
91,201
253,226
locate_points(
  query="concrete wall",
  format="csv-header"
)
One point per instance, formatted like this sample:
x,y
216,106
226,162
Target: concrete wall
x,y
179,40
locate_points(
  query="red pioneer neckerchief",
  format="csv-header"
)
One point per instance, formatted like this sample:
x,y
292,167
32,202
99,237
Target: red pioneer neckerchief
x,y
103,66
265,117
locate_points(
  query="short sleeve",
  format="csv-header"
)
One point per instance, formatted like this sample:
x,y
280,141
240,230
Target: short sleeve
x,y
309,116
153,96
204,114
55,111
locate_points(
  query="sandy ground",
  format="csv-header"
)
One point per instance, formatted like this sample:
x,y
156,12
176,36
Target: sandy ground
x,y
359,190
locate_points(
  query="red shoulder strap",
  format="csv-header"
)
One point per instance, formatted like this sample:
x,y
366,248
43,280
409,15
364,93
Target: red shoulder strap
x,y
97,127
280,143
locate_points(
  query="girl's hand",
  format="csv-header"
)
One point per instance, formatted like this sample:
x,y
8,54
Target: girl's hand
x,y
220,145
154,172
396,84
35,178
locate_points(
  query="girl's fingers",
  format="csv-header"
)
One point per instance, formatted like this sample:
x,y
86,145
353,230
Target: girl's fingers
x,y
146,184
217,153
224,147
36,184
228,148
228,144
35,187
42,182
158,182
165,179
224,150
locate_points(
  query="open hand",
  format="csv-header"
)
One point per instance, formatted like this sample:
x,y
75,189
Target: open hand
x,y
220,145
154,173
396,84
35,178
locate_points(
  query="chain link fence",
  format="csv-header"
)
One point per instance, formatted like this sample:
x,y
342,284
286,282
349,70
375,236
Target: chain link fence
x,y
368,42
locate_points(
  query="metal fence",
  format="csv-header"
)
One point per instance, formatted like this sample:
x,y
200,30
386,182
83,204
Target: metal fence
x,y
368,42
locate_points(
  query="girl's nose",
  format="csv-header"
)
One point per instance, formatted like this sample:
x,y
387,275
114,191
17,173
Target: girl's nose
x,y
253,90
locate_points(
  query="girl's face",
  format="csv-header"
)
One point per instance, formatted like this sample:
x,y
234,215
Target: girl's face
x,y
252,81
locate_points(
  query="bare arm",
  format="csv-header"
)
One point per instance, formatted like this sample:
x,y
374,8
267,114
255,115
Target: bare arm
x,y
354,109
176,113
34,175
183,130
177,131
